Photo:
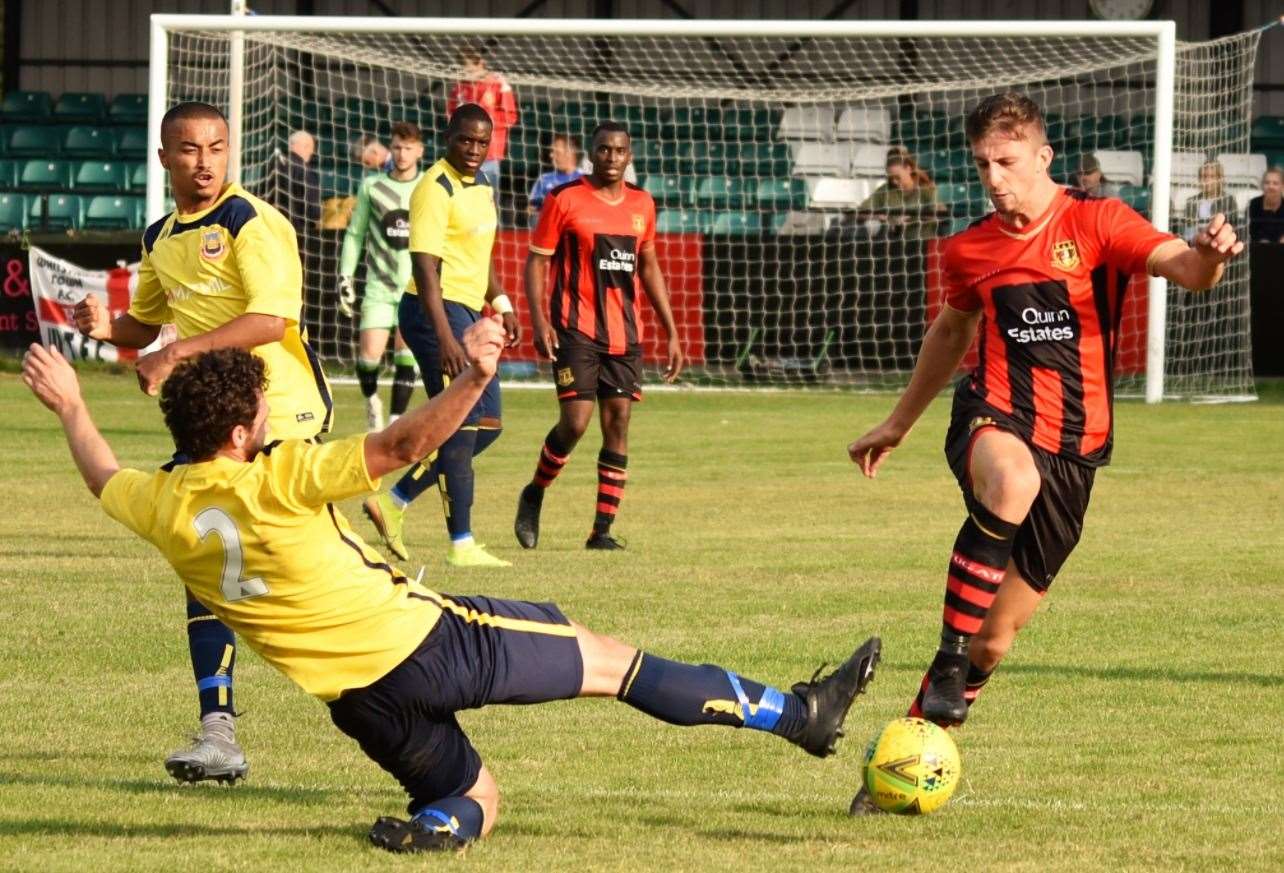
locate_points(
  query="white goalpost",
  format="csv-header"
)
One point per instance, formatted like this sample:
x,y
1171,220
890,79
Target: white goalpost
x,y
766,145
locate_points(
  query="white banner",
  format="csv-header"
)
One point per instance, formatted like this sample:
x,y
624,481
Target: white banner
x,y
58,285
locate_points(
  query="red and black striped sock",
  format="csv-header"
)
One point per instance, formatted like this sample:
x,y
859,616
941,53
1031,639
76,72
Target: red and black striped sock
x,y
612,474
977,564
552,458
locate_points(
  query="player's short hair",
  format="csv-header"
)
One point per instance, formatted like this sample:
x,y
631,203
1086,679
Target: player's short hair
x,y
610,127
1010,113
469,113
190,111
407,132
468,53
209,394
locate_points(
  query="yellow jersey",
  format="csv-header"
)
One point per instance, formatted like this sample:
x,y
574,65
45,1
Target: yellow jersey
x,y
203,269
453,217
263,547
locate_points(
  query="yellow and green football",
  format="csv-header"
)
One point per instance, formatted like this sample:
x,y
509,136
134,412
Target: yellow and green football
x,y
912,767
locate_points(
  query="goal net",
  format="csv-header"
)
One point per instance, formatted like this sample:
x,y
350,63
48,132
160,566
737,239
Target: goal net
x,y
798,245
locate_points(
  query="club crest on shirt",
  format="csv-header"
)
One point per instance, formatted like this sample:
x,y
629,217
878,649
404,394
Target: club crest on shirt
x,y
565,377
212,246
1065,254
639,223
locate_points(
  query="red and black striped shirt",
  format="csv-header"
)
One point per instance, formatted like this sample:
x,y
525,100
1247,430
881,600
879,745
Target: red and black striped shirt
x,y
1051,296
596,246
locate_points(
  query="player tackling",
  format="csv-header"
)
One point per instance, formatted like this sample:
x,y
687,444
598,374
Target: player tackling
x,y
1042,281
224,268
252,530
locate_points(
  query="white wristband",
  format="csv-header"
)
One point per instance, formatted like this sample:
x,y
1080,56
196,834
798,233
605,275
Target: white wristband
x,y
501,304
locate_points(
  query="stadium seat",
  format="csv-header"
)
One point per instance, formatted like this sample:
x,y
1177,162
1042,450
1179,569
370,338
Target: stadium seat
x,y
131,143
782,194
721,192
667,190
38,175
9,173
737,224
128,109
820,159
868,160
137,176
765,159
26,106
1185,167
683,221
88,142
800,223
838,193
964,199
1136,196
1124,168
711,158
101,176
1268,133
80,106
807,124
65,212
34,141
1179,197
108,212
1242,196
1242,170
861,124
13,212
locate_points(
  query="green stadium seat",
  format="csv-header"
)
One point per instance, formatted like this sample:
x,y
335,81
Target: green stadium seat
x,y
720,192
82,106
128,109
737,224
1136,196
9,173
88,142
34,141
964,199
26,106
101,176
38,175
683,221
65,212
648,155
112,212
13,212
667,190
131,143
765,159
782,194
711,158
140,212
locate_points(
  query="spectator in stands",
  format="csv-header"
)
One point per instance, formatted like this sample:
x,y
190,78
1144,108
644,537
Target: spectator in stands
x,y
565,156
489,90
370,152
1211,199
1266,211
298,186
906,203
1092,181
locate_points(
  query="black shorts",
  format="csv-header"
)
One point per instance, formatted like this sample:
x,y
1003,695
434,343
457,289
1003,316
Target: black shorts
x,y
482,650
1052,529
584,369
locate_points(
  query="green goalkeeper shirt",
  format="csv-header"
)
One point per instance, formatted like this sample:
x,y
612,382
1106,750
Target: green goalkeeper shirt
x,y
380,225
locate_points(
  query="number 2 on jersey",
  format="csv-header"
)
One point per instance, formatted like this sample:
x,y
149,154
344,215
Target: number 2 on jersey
x,y
216,521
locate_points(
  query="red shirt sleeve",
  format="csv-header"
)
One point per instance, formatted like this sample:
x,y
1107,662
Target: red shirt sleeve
x,y
548,230
1127,239
960,293
507,105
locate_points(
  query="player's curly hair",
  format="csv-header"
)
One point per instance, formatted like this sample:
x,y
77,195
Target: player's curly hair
x,y
208,395
1009,113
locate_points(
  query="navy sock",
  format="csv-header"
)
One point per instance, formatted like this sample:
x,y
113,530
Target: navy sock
x,y
486,436
416,480
686,694
403,386
213,649
455,473
461,816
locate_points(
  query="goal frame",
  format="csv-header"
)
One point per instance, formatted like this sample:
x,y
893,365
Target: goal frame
x,y
1163,32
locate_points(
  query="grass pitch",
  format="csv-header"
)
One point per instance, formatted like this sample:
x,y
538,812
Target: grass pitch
x,y
1136,725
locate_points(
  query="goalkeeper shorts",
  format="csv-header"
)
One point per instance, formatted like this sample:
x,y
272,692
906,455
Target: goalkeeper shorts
x,y
379,308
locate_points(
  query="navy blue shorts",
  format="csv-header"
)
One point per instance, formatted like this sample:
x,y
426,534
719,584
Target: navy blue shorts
x,y
421,339
483,650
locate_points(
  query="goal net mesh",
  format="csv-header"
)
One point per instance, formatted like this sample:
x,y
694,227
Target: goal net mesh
x,y
793,252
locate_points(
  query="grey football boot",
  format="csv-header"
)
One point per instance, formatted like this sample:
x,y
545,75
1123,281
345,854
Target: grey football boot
x,y
213,754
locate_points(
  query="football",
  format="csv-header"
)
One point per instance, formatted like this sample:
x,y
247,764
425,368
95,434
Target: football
x,y
911,767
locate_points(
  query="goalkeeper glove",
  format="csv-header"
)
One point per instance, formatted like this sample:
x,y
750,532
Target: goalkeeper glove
x,y
347,296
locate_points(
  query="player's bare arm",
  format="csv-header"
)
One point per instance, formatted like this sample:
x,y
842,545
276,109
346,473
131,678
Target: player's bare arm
x,y
944,346
1199,266
94,321
658,293
421,431
53,381
246,331
536,280
498,300
427,272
